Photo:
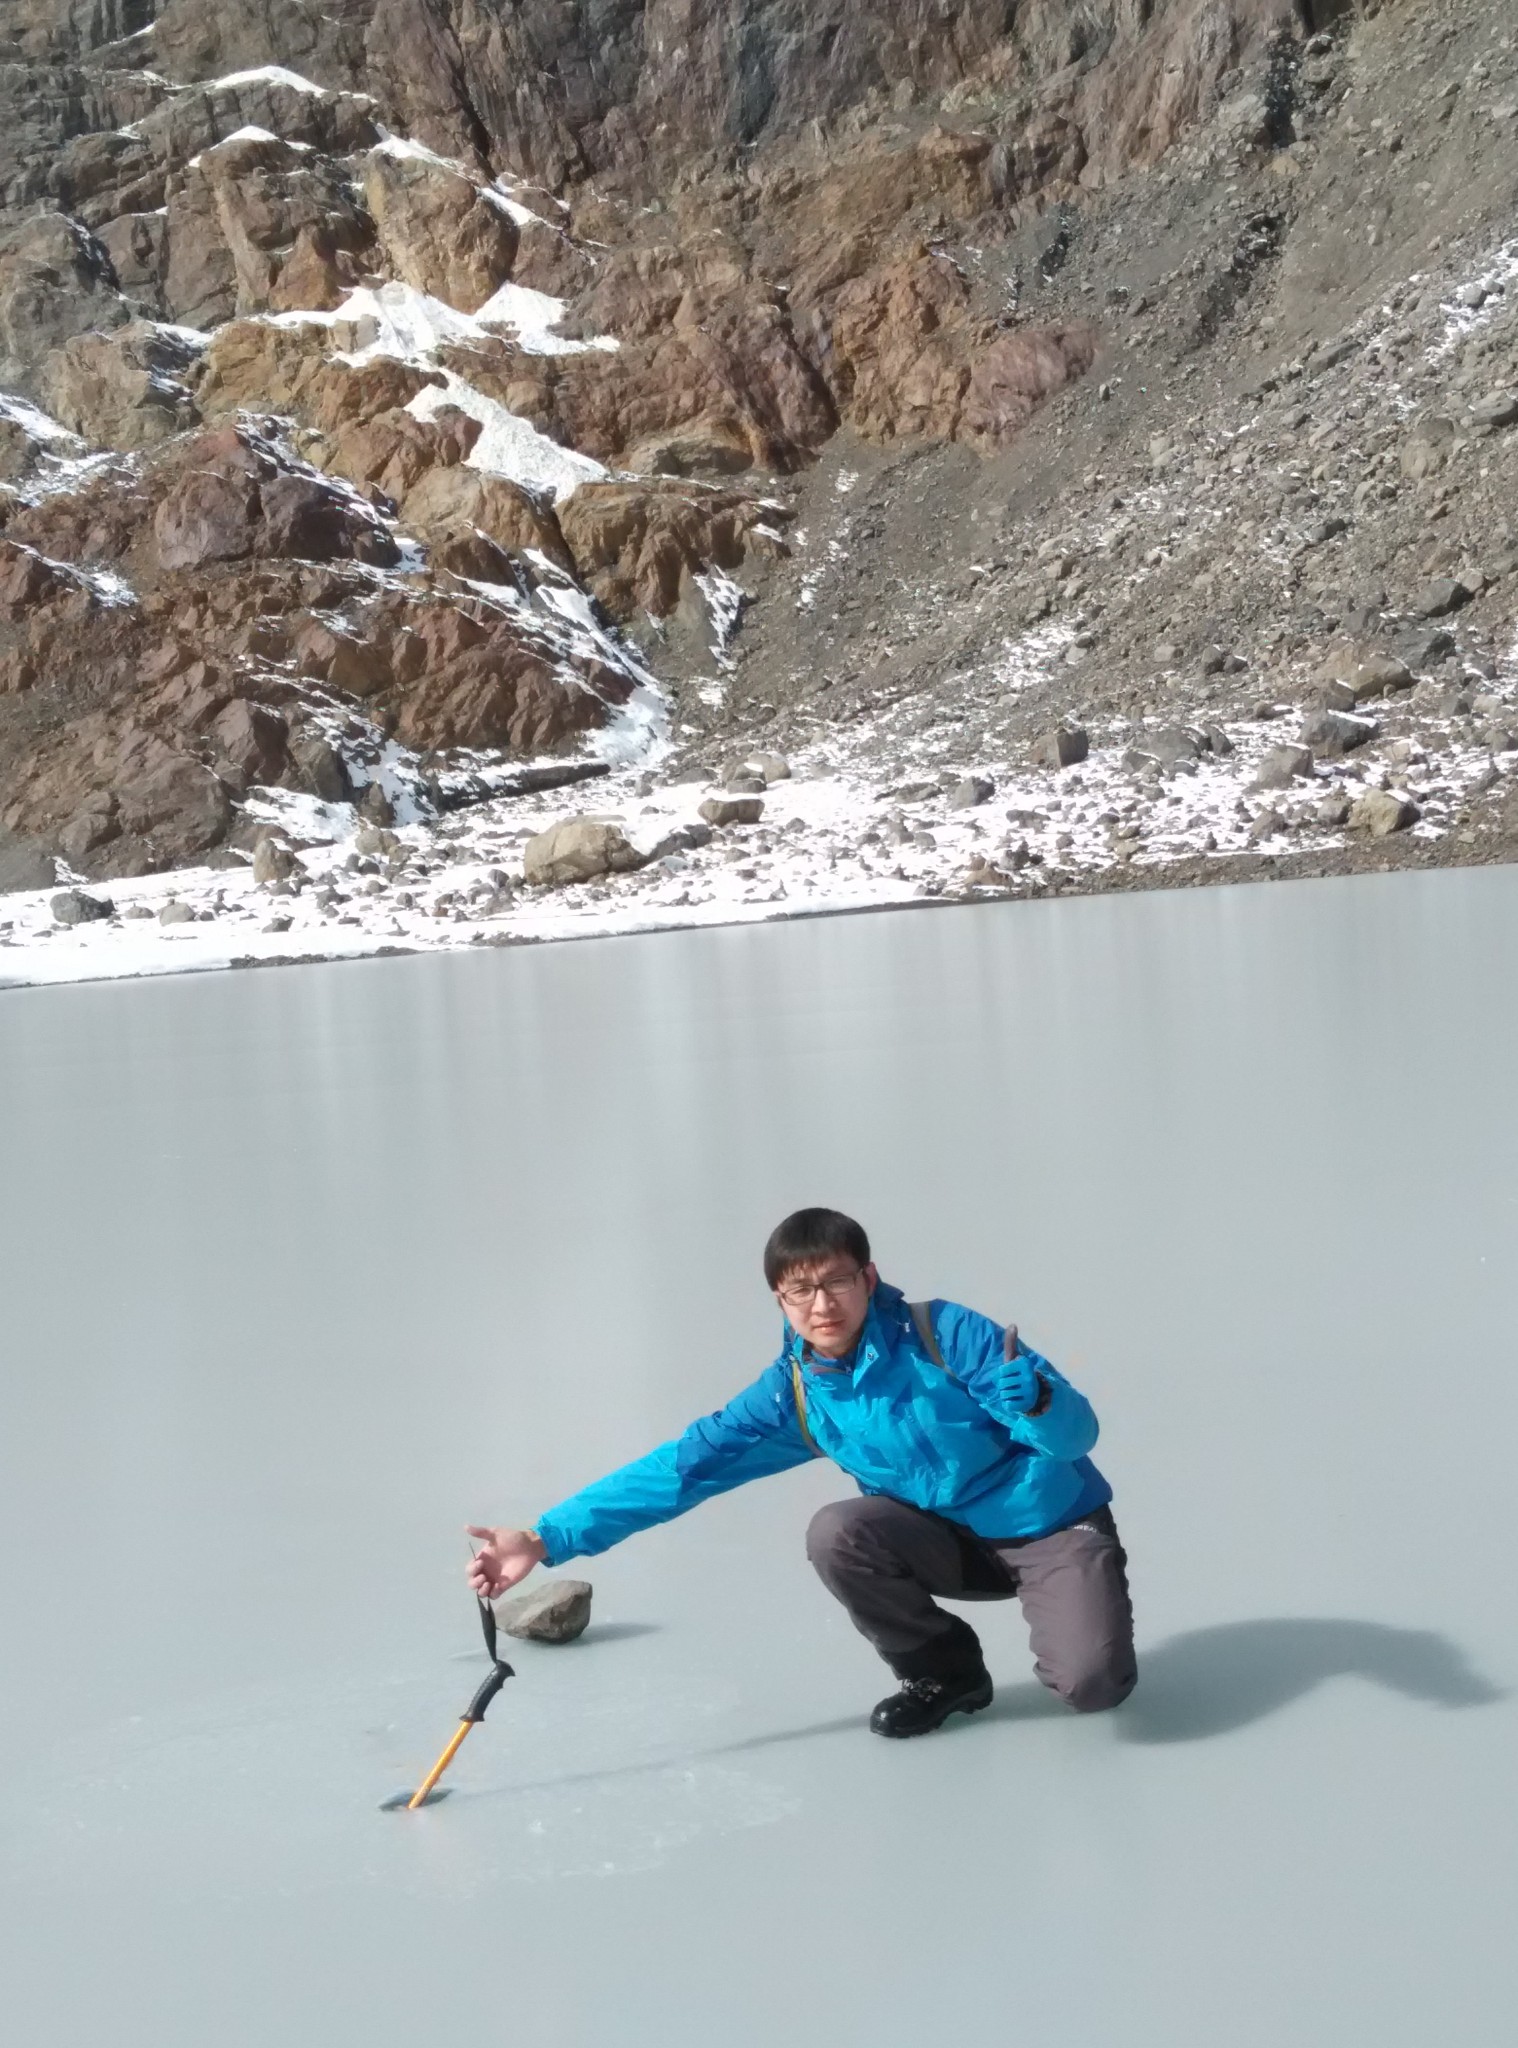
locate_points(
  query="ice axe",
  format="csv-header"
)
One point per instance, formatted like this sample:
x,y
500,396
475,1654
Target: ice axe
x,y
474,1712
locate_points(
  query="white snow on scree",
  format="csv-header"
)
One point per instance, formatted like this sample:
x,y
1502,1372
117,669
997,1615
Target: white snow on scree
x,y
397,320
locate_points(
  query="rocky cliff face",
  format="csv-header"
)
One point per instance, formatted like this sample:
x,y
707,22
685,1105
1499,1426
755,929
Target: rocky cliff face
x,y
394,389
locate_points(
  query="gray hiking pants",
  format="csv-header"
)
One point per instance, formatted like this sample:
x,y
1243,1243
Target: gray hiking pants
x,y
885,1561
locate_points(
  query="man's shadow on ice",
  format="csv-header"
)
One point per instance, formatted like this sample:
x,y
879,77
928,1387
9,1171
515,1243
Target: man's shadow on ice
x,y
1211,1681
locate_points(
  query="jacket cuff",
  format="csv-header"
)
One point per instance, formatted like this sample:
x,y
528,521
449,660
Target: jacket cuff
x,y
1045,1396
557,1549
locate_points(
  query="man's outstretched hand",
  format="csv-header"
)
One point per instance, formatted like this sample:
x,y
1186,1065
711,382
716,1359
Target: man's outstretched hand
x,y
504,1559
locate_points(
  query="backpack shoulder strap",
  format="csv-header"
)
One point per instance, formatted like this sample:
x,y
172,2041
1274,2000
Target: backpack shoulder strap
x,y
800,1393
922,1317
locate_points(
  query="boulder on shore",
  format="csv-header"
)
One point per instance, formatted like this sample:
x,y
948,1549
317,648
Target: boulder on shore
x,y
578,850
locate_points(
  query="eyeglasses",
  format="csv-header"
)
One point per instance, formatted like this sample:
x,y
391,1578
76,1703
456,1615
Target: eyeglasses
x,y
802,1293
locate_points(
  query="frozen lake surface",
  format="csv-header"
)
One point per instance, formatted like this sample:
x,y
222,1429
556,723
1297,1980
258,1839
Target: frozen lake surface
x,y
303,1270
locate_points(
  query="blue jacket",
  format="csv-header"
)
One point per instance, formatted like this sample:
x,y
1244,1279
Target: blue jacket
x,y
893,1420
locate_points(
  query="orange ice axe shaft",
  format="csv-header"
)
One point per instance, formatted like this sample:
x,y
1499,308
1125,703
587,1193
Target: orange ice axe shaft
x,y
475,1711
419,1796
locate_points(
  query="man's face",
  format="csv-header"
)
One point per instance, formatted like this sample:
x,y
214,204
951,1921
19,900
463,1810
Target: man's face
x,y
827,1301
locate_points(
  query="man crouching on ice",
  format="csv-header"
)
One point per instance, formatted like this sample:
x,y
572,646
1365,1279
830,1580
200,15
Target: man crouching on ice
x,y
969,1452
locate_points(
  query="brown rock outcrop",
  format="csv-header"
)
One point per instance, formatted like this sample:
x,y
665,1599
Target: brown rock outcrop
x,y
909,359
18,451
258,223
126,795
230,499
446,504
122,389
251,742
56,281
636,544
898,358
250,363
473,675
26,580
735,383
393,451
1016,373
438,231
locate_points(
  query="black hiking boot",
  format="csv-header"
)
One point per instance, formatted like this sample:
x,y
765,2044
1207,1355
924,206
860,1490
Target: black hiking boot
x,y
924,1704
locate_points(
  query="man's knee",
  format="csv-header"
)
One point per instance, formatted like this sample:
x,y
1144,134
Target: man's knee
x,y
1095,1687
831,1533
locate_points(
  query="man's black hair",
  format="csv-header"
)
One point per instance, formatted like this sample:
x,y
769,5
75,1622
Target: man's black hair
x,y
808,1237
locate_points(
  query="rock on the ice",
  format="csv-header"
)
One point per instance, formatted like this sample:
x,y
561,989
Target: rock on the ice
x,y
1334,733
1062,748
73,906
1282,765
1380,812
555,1613
578,850
733,810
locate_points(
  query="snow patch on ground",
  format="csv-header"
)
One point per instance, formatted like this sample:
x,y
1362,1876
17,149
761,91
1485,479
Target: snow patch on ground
x,y
534,316
397,320
724,600
1477,302
33,421
509,446
269,74
513,208
414,325
402,148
